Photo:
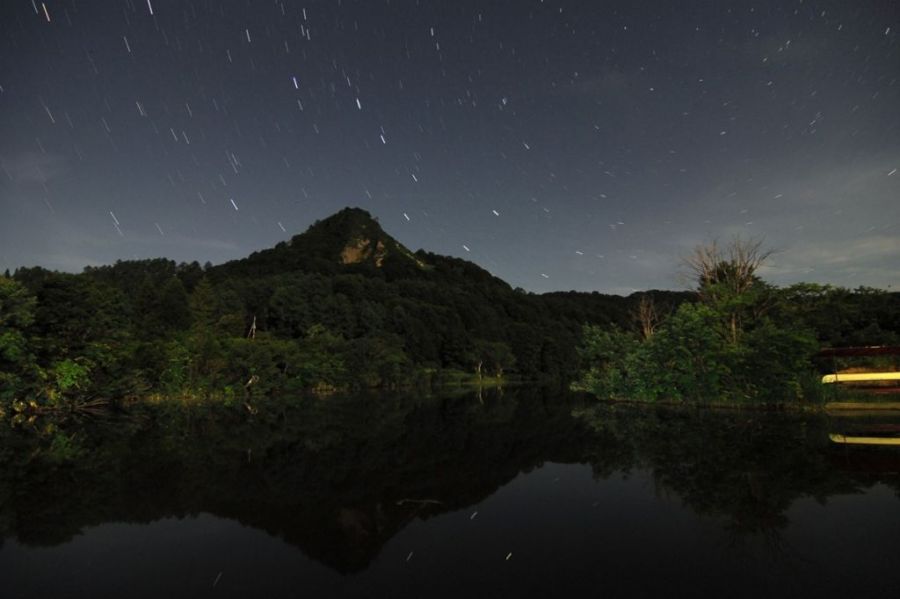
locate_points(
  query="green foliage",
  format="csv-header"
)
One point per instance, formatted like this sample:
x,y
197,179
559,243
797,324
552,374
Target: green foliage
x,y
379,361
16,305
738,344
175,372
775,362
13,351
687,359
497,356
70,375
841,317
260,366
207,357
320,360
608,355
18,365
163,309
394,318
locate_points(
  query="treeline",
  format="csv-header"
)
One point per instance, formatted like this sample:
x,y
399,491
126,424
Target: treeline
x,y
346,306
156,327
743,340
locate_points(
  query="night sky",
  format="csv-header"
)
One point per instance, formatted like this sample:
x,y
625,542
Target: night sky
x,y
559,144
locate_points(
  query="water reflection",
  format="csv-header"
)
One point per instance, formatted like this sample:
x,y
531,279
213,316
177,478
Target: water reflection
x,y
340,477
746,469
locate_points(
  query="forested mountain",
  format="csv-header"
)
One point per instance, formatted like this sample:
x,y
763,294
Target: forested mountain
x,y
341,305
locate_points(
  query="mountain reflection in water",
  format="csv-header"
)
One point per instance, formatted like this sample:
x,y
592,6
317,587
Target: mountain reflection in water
x,y
368,484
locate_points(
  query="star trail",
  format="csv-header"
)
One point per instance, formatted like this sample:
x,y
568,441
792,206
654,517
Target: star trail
x,y
559,144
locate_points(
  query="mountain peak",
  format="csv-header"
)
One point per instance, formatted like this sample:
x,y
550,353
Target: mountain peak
x,y
351,236
347,219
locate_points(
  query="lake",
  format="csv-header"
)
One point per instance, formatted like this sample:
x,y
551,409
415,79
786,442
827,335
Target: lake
x,y
519,492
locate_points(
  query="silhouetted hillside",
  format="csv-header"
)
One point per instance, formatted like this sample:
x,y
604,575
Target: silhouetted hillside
x,y
340,305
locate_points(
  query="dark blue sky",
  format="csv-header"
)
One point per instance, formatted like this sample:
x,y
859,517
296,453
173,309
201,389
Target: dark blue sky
x,y
561,145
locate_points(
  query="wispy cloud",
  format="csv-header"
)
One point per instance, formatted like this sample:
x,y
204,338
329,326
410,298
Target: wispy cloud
x,y
34,167
870,261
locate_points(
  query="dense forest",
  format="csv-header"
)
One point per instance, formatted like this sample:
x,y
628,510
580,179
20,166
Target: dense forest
x,y
344,305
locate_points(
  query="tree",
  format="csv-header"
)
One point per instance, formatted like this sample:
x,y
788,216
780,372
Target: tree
x,y
688,359
18,366
378,361
495,355
606,355
843,317
82,321
727,280
161,310
647,316
733,345
204,344
320,359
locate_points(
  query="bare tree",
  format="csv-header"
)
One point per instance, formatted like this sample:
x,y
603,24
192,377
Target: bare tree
x,y
734,266
726,275
647,316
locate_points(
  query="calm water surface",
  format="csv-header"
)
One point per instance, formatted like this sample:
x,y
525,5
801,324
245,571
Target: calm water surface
x,y
520,493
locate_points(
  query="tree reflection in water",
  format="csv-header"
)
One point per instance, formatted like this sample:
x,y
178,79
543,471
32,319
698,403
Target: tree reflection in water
x,y
338,477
